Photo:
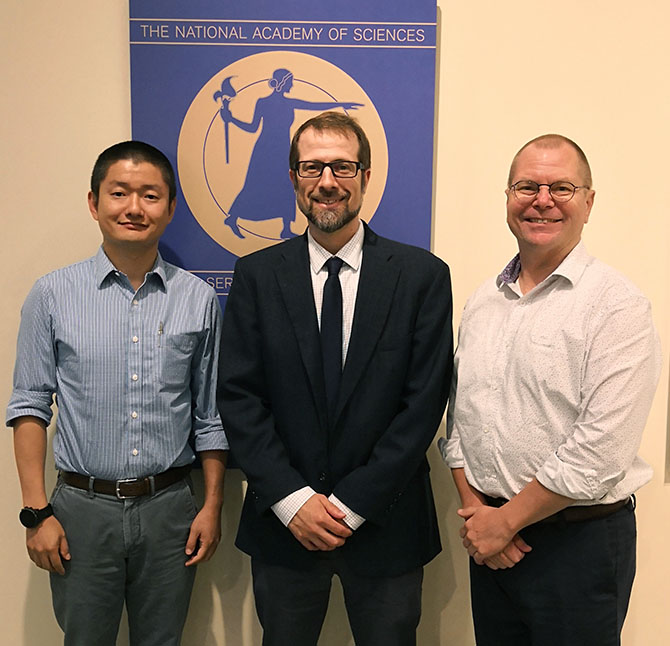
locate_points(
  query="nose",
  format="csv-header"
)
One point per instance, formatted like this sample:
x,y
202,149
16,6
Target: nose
x,y
327,180
134,204
543,199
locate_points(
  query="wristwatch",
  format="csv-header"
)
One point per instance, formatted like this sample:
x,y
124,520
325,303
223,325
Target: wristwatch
x,y
30,517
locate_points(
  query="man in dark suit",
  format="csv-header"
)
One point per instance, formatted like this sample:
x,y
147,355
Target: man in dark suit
x,y
334,373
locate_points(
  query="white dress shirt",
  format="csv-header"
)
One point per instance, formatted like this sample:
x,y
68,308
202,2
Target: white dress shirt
x,y
555,384
352,255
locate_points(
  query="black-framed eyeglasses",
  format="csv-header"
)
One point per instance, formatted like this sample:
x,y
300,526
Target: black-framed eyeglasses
x,y
526,190
342,169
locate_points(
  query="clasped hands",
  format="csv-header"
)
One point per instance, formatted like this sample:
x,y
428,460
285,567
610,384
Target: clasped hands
x,y
489,539
319,525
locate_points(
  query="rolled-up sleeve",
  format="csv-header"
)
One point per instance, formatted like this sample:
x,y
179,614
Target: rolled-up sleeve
x,y
206,423
450,446
620,375
34,382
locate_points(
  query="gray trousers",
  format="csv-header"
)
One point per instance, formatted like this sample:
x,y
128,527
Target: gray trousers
x,y
128,551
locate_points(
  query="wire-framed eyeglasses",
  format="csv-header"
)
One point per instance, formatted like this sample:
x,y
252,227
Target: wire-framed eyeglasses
x,y
526,190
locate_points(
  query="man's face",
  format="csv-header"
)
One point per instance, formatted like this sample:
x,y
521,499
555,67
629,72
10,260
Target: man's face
x,y
133,206
329,202
541,223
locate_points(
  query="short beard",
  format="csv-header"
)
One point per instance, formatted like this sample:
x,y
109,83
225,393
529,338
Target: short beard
x,y
329,221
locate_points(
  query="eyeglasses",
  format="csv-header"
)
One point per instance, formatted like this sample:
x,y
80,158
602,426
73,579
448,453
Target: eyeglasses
x,y
526,190
341,169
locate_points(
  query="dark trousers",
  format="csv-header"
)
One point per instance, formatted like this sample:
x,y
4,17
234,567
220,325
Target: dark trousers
x,y
572,589
292,604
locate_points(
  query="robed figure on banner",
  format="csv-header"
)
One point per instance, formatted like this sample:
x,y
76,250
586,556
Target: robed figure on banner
x,y
267,193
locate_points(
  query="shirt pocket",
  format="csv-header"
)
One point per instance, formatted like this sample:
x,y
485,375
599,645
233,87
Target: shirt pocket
x,y
176,355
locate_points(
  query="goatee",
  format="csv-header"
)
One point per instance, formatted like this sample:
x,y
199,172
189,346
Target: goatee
x,y
329,220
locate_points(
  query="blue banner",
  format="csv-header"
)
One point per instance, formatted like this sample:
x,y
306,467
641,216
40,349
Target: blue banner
x,y
273,65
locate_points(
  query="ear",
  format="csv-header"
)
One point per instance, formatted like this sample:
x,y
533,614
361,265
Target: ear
x,y
590,198
365,178
294,179
173,205
93,205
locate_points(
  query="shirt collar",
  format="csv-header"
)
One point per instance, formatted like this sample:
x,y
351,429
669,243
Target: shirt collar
x,y
510,273
105,268
351,253
571,268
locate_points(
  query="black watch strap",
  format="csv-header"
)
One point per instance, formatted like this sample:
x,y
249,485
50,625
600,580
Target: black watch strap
x,y
31,517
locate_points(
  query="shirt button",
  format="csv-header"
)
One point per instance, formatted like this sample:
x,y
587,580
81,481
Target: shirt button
x,y
135,339
135,451
486,430
134,414
135,302
134,377
322,476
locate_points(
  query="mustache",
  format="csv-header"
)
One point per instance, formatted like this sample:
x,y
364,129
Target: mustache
x,y
329,194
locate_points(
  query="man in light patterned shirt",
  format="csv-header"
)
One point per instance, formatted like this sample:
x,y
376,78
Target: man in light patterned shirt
x,y
128,346
556,368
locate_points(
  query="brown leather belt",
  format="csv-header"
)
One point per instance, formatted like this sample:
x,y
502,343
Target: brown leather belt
x,y
128,488
574,514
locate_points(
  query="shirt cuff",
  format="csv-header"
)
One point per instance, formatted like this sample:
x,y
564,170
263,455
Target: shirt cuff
x,y
288,507
352,519
567,480
213,439
29,403
450,450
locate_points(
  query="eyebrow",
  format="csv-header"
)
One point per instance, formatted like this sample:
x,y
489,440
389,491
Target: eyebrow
x,y
149,187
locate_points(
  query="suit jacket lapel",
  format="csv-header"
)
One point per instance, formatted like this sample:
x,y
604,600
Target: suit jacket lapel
x,y
295,283
376,286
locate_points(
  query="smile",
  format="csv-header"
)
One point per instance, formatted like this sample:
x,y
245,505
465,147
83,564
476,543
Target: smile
x,y
541,221
328,201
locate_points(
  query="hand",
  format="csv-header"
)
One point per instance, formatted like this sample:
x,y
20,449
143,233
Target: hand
x,y
485,532
204,536
515,550
318,525
226,114
47,545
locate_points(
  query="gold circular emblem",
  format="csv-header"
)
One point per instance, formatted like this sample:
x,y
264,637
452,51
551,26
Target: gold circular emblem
x,y
234,170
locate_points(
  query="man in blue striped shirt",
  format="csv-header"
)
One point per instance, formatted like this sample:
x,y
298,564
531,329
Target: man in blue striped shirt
x,y
128,346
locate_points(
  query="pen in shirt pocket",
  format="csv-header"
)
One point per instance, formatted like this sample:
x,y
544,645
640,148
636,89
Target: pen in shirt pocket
x,y
160,332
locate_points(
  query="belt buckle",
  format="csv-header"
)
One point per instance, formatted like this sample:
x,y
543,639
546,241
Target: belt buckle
x,y
124,481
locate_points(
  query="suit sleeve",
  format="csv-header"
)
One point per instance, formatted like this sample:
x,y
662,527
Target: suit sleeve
x,y
243,399
373,488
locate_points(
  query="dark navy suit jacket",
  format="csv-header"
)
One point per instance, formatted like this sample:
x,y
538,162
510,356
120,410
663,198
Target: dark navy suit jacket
x,y
394,389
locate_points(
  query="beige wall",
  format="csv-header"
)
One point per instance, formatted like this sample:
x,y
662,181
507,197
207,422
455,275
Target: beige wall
x,y
595,70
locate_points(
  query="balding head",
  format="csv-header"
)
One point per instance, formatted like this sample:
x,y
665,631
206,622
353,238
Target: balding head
x,y
555,141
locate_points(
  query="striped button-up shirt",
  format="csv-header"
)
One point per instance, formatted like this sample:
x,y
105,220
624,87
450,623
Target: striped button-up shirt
x,y
133,372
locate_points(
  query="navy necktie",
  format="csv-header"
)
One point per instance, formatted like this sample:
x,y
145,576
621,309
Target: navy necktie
x,y
331,332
